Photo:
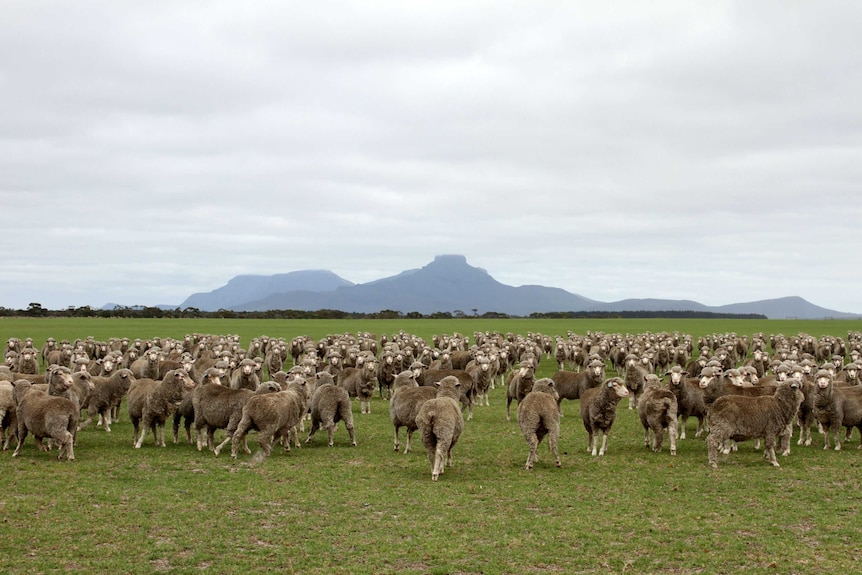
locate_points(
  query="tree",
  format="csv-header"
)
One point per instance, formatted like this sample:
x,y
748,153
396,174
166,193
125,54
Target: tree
x,y
35,309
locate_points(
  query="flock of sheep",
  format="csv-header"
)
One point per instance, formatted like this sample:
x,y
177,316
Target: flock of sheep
x,y
738,388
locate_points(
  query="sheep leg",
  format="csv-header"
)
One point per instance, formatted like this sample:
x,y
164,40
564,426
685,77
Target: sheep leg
x,y
22,435
315,425
684,420
713,443
533,444
350,431
672,431
397,443
604,447
552,444
407,443
591,443
646,437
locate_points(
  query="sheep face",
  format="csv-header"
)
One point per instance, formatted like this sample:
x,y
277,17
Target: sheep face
x,y
618,386
824,380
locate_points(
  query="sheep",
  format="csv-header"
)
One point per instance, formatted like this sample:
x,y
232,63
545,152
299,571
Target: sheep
x,y
432,376
152,401
836,407
407,399
689,399
386,373
571,384
46,415
273,415
8,419
440,422
28,361
245,376
147,366
106,396
539,415
657,410
482,374
220,407
598,411
737,418
185,410
634,378
360,383
520,385
329,405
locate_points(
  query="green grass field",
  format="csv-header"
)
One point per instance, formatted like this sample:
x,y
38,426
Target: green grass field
x,y
370,510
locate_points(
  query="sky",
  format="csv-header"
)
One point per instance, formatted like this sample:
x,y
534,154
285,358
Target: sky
x,y
709,151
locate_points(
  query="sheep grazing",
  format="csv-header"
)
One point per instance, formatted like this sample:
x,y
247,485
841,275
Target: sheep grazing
x,y
407,399
538,416
571,384
836,407
599,409
520,385
151,402
106,396
273,415
440,422
329,405
360,382
220,407
738,418
689,399
657,410
46,415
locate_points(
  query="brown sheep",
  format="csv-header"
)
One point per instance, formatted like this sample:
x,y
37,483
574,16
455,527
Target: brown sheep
x,y
106,396
273,415
360,382
46,415
520,385
571,384
407,399
329,405
737,418
598,411
220,407
657,410
689,399
836,407
8,419
440,422
539,415
245,376
151,402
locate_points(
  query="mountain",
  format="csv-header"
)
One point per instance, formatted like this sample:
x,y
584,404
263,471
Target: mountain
x,y
448,284
245,288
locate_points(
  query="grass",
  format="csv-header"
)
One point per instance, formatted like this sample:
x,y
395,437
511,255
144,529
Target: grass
x,y
370,510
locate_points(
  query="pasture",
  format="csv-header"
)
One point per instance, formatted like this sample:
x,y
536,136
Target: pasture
x,y
367,509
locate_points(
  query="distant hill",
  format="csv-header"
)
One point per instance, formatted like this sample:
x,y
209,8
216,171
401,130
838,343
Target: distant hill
x,y
448,284
246,288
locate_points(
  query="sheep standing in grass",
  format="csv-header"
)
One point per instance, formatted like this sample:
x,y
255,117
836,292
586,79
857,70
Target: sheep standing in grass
x,y
657,410
689,399
245,376
329,405
46,415
8,419
738,418
539,415
571,384
106,396
598,411
634,378
220,407
440,422
520,385
273,415
407,399
836,407
151,402
360,382
186,409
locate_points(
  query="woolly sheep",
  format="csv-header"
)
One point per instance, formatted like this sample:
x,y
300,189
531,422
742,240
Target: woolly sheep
x,y
46,415
106,395
220,407
151,402
836,407
571,384
440,422
360,382
329,405
657,410
520,385
738,418
407,399
273,415
689,399
598,411
8,419
539,415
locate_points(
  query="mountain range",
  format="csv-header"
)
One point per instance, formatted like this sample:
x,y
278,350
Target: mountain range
x,y
448,284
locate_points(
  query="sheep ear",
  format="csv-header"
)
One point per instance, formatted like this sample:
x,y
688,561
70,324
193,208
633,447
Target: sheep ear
x,y
610,384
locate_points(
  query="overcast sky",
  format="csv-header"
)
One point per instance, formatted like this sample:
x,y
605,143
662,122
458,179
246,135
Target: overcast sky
x,y
688,150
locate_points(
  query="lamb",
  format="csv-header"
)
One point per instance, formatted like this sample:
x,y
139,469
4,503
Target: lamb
x,y
220,407
329,405
106,396
245,376
360,382
737,418
520,385
539,415
272,415
689,399
440,422
657,409
407,399
152,401
46,415
571,384
598,411
835,407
